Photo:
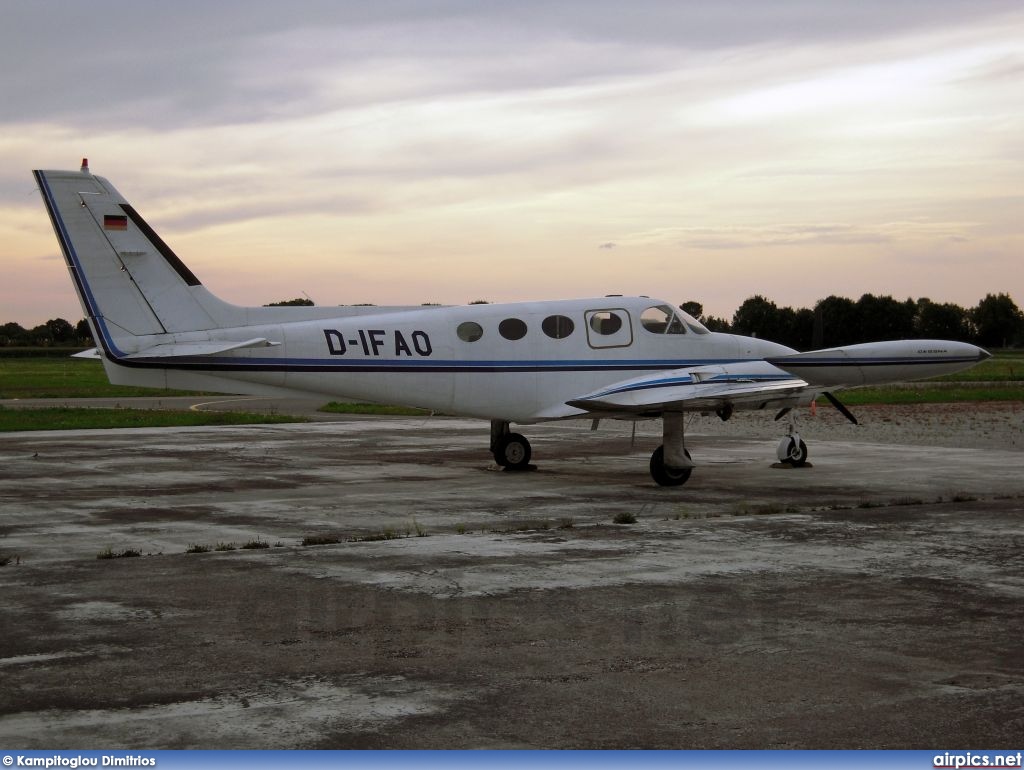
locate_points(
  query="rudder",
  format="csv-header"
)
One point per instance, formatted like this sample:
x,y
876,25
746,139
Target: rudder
x,y
129,281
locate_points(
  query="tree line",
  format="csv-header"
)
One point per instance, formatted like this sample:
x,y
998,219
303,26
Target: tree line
x,y
54,333
995,322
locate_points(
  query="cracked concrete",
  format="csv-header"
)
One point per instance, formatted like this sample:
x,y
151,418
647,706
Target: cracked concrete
x,y
870,601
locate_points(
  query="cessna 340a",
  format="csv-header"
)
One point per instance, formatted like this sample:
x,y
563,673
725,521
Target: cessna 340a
x,y
615,357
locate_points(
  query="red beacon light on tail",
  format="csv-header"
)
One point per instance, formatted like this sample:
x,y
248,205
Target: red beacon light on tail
x,y
85,165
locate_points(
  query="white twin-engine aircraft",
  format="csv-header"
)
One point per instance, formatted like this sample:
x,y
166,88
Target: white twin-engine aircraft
x,y
626,358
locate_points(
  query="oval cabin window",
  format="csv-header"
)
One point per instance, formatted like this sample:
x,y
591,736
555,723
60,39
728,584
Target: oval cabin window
x,y
512,329
470,331
558,326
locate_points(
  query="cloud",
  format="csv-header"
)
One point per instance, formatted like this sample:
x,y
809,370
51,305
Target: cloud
x,y
811,234
458,134
173,65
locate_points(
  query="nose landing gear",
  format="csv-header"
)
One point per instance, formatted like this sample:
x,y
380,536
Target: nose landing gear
x,y
791,448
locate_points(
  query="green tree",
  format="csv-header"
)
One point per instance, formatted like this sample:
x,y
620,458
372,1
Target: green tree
x,y
297,302
801,331
84,333
942,321
998,322
695,309
884,318
760,317
757,317
835,322
12,334
60,331
716,324
40,335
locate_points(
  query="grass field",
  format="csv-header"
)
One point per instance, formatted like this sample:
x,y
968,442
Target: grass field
x,y
64,377
930,395
1004,366
343,407
1000,378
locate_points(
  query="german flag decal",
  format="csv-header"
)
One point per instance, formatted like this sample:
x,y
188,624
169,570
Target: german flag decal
x,y
115,222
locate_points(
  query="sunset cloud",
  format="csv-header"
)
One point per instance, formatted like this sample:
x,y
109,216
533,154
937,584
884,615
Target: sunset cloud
x,y
458,149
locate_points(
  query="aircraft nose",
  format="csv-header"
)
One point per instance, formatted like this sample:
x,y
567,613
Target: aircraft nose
x,y
983,355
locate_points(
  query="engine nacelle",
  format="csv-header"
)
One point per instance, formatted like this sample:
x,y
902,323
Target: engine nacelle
x,y
876,363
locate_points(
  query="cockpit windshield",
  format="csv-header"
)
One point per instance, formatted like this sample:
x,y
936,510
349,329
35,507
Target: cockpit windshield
x,y
695,326
662,319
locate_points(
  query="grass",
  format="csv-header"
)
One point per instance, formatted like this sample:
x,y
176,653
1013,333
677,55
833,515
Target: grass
x,y
69,418
524,525
1004,366
342,407
64,377
56,375
320,540
127,553
928,395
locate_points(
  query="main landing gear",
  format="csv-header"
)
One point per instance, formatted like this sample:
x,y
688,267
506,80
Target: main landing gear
x,y
671,465
511,450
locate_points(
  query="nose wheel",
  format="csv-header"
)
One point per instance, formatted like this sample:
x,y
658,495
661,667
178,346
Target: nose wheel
x,y
792,450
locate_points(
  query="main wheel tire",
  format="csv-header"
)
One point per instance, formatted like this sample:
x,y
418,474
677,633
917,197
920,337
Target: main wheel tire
x,y
797,454
665,476
513,451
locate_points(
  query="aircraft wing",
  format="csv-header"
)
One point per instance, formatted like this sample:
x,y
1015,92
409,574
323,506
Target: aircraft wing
x,y
751,384
781,380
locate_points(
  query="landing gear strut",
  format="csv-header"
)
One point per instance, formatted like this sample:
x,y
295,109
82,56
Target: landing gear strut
x,y
510,450
671,465
792,448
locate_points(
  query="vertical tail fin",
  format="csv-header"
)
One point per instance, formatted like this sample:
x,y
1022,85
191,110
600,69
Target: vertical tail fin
x,y
129,281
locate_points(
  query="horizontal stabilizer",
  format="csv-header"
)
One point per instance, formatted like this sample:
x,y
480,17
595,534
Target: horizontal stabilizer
x,y
189,349
90,353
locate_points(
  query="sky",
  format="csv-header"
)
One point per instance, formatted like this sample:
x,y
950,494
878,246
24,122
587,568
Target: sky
x,y
401,152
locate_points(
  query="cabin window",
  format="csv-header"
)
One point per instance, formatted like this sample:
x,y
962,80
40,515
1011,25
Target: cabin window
x,y
605,322
662,320
470,331
557,326
512,329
